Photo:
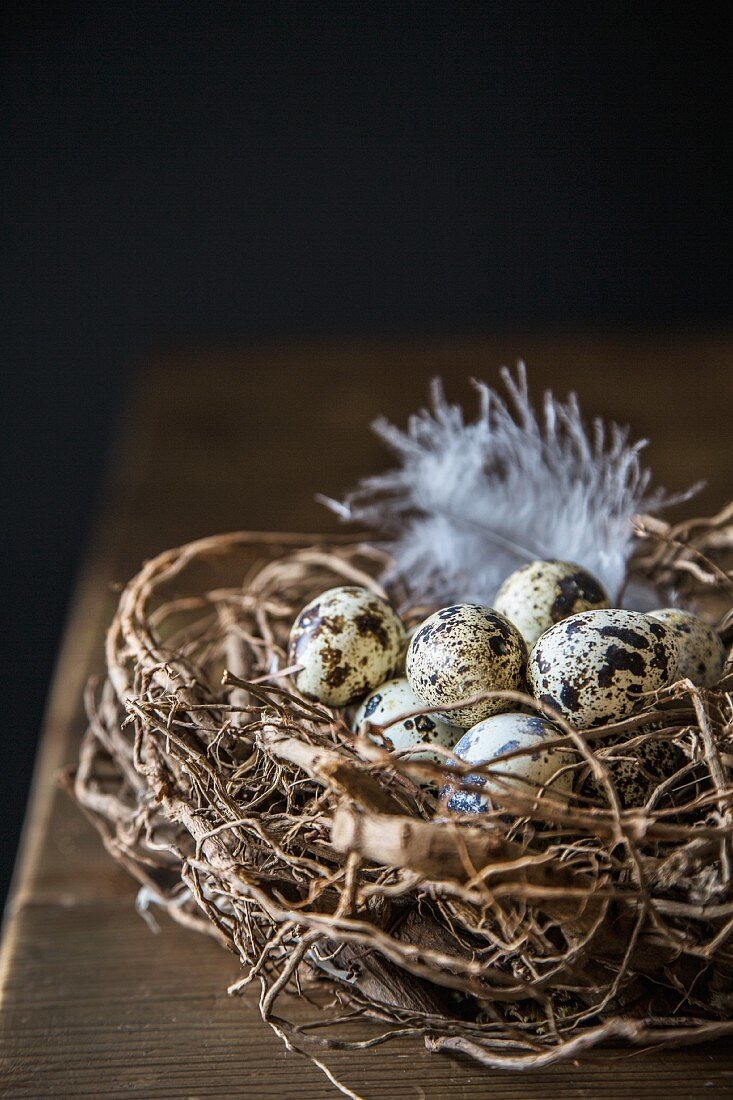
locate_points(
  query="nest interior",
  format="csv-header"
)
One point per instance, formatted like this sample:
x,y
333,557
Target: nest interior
x,y
531,932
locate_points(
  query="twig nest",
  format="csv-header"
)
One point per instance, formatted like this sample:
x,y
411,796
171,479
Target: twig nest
x,y
546,592
312,848
538,769
461,651
347,641
395,698
595,667
700,650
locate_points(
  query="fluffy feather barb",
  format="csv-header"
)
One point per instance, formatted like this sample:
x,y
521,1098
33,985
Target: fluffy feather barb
x,y
471,501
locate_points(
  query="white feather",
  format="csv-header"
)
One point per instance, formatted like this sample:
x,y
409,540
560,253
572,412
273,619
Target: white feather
x,y
471,501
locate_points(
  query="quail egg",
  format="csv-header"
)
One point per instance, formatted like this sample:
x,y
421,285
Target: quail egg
x,y
396,697
636,770
463,650
564,1005
546,592
504,733
347,641
595,666
701,651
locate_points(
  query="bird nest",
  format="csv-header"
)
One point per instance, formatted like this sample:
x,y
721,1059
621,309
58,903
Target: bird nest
x,y
520,936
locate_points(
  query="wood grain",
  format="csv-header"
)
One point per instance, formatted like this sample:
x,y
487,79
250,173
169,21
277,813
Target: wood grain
x,y
91,1002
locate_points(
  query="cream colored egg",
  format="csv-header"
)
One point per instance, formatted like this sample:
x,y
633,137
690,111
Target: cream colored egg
x,y
701,651
394,698
463,650
542,769
546,592
347,641
595,667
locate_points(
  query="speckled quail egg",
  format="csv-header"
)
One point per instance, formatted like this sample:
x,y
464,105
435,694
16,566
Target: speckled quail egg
x,y
347,641
463,650
500,734
546,592
636,770
564,1004
396,697
595,666
701,651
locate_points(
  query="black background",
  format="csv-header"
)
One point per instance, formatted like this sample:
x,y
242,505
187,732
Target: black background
x,y
178,173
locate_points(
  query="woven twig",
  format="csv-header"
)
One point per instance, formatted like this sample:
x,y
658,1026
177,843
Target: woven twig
x,y
529,933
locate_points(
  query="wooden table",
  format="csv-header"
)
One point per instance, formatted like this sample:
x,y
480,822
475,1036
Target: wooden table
x,y
93,1004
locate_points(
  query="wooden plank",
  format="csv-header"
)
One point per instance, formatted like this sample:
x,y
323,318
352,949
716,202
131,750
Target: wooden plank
x,y
91,1002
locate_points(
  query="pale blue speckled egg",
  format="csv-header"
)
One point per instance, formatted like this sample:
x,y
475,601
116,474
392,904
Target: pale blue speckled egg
x,y
544,768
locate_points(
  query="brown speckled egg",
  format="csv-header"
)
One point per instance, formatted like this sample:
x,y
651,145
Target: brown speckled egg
x,y
546,592
594,667
348,640
564,1004
701,651
636,771
460,651
544,768
396,697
